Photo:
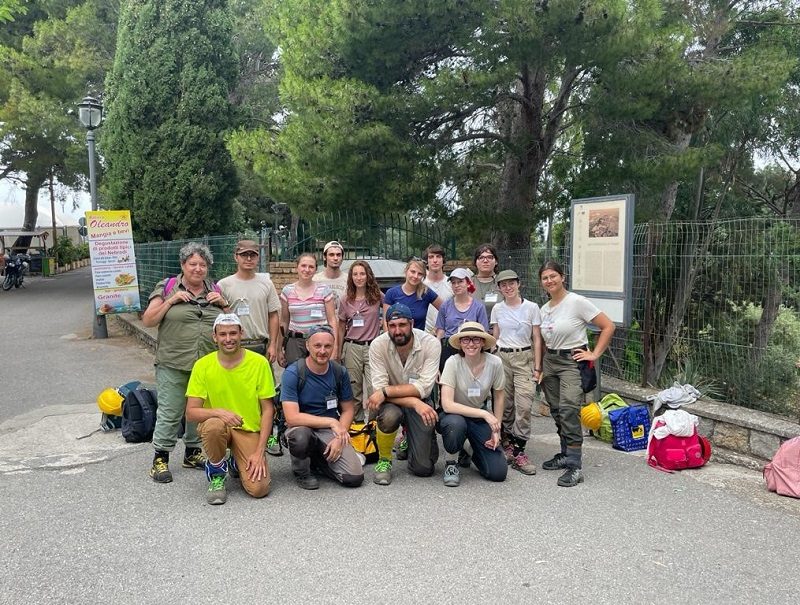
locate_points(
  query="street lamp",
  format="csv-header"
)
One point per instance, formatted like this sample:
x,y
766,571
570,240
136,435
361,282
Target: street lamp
x,y
90,113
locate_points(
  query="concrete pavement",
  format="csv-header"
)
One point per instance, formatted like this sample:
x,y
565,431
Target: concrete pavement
x,y
82,522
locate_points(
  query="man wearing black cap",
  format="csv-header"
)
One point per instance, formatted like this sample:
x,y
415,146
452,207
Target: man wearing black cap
x,y
254,300
405,362
332,274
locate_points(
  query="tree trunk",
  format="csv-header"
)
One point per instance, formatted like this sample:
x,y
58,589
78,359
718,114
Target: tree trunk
x,y
770,305
34,183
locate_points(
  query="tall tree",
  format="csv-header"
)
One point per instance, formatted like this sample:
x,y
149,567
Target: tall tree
x,y
386,100
49,57
168,114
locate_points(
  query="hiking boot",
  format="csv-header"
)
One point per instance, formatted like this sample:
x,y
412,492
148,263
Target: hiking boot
x,y
160,472
571,477
556,462
508,450
522,464
193,458
402,449
216,493
274,447
383,472
464,459
452,476
307,481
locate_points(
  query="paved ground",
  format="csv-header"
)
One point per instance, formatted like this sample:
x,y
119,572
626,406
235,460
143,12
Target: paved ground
x,y
82,522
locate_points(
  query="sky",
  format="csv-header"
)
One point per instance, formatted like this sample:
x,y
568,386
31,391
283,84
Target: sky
x,y
66,198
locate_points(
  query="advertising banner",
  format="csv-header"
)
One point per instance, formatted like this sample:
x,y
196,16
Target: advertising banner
x,y
116,285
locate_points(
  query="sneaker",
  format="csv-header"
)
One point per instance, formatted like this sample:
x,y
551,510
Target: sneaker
x,y
556,462
193,458
522,464
216,493
383,472
402,449
308,481
508,450
464,459
274,447
571,477
160,472
452,476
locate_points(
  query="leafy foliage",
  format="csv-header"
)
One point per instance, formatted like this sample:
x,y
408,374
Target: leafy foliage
x,y
168,113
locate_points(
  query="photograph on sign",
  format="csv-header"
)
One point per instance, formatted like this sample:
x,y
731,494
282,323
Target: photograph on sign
x,y
598,244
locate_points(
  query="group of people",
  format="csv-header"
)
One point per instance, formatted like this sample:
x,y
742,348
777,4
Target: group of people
x,y
460,355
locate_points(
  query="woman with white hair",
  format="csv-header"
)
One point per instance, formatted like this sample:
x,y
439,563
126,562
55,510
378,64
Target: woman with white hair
x,y
184,308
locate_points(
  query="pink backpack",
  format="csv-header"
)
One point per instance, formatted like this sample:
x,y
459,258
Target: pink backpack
x,y
782,474
673,453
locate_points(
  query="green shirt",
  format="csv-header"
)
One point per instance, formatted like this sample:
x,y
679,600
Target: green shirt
x,y
237,390
184,334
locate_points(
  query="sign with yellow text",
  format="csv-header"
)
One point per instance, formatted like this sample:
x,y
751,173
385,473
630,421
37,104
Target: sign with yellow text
x,y
116,285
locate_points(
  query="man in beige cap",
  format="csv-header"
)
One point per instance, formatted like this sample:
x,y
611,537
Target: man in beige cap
x,y
253,299
332,274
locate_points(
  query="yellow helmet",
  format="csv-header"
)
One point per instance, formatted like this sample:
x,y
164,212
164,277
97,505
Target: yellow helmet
x,y
110,402
591,416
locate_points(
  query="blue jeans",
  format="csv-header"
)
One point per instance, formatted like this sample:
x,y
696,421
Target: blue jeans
x,y
455,429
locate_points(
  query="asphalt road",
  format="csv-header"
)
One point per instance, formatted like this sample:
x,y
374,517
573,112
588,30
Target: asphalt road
x,y
82,523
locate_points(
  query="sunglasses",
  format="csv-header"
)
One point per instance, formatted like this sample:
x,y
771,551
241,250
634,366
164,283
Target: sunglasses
x,y
199,303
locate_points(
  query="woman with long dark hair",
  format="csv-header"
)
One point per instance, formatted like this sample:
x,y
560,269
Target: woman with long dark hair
x,y
359,324
486,289
565,318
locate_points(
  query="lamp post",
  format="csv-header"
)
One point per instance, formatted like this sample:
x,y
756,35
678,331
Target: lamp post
x,y
90,114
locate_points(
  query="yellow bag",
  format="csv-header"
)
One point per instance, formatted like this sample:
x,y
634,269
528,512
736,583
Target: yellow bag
x,y
362,437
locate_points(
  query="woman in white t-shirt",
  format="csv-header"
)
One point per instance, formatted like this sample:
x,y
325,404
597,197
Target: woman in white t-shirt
x,y
467,381
515,324
564,321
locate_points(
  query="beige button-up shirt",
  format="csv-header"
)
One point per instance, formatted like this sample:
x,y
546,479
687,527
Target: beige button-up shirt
x,y
420,368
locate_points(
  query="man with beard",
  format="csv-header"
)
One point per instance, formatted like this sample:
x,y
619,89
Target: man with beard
x,y
230,396
317,401
405,362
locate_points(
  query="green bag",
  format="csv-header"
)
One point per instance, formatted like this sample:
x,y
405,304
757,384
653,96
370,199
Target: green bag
x,y
610,402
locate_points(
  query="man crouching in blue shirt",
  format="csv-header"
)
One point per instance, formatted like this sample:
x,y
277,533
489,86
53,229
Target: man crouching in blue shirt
x,y
318,405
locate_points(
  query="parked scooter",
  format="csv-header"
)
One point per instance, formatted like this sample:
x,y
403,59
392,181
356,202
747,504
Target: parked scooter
x,y
16,268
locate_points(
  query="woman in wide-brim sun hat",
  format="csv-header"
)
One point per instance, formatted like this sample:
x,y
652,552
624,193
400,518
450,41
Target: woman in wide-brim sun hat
x,y
468,381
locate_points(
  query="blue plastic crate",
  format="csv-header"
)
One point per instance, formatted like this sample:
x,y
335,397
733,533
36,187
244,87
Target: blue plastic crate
x,y
630,427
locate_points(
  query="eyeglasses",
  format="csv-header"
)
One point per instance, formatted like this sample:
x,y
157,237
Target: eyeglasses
x,y
473,340
486,257
248,254
199,303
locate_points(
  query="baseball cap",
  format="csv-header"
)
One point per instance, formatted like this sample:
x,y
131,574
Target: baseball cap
x,y
319,329
332,244
246,245
398,311
460,273
228,319
506,275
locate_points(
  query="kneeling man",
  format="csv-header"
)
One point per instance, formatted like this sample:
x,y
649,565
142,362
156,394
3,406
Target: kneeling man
x,y
230,395
318,404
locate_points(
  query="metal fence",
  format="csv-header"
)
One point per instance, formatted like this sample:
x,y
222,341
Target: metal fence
x,y
714,304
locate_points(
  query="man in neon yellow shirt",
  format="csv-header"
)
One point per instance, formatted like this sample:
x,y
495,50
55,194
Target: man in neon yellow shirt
x,y
230,397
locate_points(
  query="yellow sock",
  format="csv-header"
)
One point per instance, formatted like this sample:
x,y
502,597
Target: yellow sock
x,y
385,443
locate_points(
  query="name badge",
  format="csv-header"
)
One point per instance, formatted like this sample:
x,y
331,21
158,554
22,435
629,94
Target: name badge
x,y
490,297
332,402
243,309
317,313
358,322
474,392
